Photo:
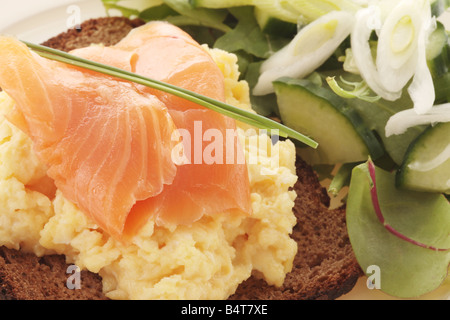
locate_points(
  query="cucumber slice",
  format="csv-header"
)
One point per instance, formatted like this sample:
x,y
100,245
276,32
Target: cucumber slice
x,y
216,4
272,25
322,115
438,51
427,162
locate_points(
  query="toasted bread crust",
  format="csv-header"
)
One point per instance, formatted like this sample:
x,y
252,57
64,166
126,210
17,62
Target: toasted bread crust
x,y
324,268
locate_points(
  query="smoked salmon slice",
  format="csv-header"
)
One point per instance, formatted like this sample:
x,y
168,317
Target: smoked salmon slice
x,y
165,52
199,189
106,145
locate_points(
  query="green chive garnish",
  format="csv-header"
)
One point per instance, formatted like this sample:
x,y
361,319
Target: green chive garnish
x,y
212,104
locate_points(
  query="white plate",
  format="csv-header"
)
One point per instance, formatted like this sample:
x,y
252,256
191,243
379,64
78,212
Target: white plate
x,y
37,21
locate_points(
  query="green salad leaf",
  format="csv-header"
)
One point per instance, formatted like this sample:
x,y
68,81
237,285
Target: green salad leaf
x,y
125,11
177,12
197,16
246,36
408,218
376,115
160,12
252,47
264,105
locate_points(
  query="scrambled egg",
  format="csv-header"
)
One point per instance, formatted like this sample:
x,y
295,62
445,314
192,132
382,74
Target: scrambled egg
x,y
206,260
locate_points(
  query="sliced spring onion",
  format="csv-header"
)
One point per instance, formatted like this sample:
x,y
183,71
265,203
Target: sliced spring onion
x,y
215,105
310,48
397,52
403,28
422,89
402,52
402,121
360,90
349,62
367,20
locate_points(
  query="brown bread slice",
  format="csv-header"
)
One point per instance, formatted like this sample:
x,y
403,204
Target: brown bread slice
x,y
107,31
324,268
26,277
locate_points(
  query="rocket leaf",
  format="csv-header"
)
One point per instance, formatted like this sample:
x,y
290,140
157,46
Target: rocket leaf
x,y
248,37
